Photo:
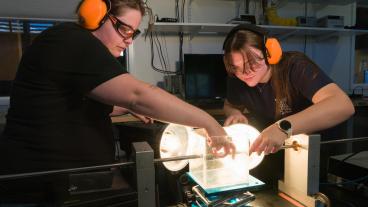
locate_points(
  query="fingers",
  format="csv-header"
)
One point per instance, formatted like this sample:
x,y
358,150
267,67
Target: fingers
x,y
217,154
255,145
151,120
232,149
228,121
274,150
268,149
144,119
261,147
262,144
229,149
221,142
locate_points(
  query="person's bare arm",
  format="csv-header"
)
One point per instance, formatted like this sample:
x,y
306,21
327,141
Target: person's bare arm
x,y
234,114
331,106
151,101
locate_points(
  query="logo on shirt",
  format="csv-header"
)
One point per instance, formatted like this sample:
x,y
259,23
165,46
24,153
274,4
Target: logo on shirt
x,y
284,107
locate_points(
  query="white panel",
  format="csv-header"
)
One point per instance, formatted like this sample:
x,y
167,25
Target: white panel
x,y
60,10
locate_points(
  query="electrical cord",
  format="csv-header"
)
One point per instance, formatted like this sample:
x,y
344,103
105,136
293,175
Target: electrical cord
x,y
151,20
182,11
157,43
153,43
305,16
177,9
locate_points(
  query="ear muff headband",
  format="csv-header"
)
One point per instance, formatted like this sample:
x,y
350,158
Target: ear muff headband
x,y
274,51
271,46
93,13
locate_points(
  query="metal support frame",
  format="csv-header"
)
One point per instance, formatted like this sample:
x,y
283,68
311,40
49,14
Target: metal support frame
x,y
145,174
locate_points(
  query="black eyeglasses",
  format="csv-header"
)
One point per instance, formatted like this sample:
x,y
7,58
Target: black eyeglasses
x,y
124,30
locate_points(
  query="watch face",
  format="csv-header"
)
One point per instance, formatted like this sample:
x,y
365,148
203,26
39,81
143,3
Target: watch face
x,y
285,125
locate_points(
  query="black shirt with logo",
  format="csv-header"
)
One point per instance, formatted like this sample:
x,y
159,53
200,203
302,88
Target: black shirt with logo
x,y
305,78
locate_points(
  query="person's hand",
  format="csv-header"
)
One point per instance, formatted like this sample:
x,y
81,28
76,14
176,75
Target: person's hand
x,y
145,119
221,142
218,142
269,141
235,118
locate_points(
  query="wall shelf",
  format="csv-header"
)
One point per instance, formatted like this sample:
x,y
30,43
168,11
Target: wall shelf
x,y
281,32
335,2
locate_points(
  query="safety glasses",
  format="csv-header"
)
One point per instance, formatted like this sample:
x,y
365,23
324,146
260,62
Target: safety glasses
x,y
124,30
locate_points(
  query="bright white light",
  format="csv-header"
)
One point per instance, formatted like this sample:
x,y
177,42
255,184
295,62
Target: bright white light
x,y
179,140
174,142
243,136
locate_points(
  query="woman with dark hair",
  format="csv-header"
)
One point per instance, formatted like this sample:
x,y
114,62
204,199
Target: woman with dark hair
x,y
287,91
280,93
67,84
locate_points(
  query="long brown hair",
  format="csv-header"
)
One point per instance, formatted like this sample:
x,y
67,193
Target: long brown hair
x,y
280,73
241,42
281,76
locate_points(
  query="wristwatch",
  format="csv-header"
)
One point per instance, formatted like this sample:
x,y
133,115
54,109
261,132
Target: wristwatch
x,y
285,126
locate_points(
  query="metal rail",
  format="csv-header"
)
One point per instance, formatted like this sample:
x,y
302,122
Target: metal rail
x,y
70,170
338,141
178,158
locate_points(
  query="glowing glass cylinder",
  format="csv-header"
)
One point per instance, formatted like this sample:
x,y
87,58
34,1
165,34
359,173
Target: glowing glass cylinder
x,y
212,172
208,171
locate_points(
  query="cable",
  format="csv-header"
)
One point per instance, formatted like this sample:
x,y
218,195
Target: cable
x,y
155,44
177,9
246,6
182,11
151,20
181,61
162,69
166,51
159,50
305,17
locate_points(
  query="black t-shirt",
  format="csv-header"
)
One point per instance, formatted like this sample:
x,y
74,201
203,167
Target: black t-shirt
x,y
305,77
51,122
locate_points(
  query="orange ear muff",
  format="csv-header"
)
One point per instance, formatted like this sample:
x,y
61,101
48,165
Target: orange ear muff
x,y
274,51
92,13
